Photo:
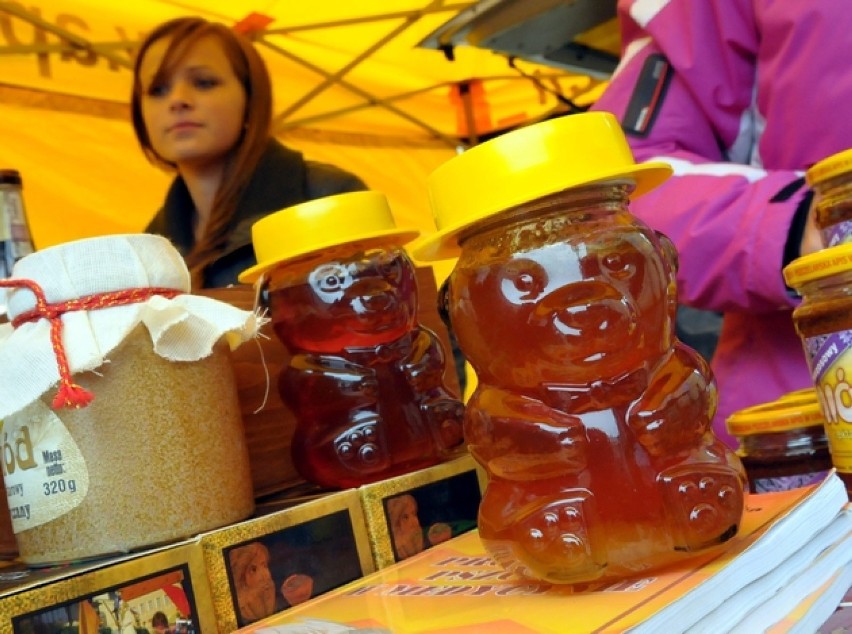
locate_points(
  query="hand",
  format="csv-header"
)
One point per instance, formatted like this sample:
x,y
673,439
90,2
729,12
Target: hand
x,y
297,588
811,239
439,532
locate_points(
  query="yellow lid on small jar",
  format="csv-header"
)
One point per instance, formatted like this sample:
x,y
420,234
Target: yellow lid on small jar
x,y
310,229
775,416
829,167
818,264
526,164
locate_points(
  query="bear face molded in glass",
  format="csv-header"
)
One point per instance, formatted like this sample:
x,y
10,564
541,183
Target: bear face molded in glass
x,y
365,379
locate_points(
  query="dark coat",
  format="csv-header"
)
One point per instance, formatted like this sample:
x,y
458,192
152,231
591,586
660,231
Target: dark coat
x,y
283,178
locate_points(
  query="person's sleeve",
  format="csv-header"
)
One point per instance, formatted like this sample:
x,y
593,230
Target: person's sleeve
x,y
684,94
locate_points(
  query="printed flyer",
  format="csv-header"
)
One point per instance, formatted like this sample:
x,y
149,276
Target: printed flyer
x,y
456,587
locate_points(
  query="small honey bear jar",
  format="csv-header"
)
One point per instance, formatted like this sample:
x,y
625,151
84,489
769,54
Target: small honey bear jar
x,y
365,378
590,418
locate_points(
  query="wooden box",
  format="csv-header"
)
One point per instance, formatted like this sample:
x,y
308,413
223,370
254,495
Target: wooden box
x,y
120,593
265,565
415,511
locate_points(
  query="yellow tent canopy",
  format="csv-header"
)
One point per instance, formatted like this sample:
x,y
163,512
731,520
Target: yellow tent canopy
x,y
352,87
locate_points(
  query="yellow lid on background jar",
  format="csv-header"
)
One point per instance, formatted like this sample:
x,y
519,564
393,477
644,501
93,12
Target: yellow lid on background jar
x,y
805,395
775,416
819,264
526,164
829,167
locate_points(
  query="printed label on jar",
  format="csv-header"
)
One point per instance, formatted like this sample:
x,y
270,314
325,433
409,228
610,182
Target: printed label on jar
x,y
43,470
785,483
836,234
830,360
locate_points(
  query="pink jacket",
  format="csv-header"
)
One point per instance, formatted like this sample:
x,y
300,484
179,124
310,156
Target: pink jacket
x,y
758,92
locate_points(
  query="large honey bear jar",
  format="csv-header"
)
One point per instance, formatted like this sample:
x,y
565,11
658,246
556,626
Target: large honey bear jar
x,y
365,380
591,419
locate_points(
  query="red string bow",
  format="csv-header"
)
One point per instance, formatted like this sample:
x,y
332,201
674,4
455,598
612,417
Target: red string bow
x,y
70,394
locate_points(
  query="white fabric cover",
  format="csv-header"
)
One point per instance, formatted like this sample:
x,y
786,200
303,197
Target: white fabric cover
x,y
182,329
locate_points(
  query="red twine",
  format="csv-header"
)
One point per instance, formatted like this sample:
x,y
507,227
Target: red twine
x,y
70,394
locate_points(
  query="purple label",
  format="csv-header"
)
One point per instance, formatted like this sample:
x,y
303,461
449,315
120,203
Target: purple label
x,y
785,483
841,233
823,351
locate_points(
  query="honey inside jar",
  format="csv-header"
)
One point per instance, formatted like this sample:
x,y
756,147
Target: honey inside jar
x,y
162,449
585,322
591,420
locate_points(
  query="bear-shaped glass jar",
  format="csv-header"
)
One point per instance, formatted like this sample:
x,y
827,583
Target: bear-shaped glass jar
x,y
590,418
365,379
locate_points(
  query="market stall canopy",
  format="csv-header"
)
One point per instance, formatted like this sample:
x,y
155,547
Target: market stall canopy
x,y
368,85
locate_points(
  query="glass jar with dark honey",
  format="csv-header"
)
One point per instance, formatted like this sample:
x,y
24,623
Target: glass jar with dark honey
x,y
824,323
590,418
365,379
783,444
831,180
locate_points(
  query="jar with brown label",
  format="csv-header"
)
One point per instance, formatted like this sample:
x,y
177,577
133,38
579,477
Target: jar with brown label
x,y
783,444
121,423
824,322
831,180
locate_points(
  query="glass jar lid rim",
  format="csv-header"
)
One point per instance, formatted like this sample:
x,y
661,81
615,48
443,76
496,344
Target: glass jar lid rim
x,y
819,264
775,416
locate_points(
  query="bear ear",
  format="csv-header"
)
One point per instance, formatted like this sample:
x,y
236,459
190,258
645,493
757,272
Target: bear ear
x,y
669,250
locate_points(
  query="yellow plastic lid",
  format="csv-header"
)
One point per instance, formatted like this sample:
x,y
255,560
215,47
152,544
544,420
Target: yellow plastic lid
x,y
526,164
819,264
775,416
805,395
829,167
309,229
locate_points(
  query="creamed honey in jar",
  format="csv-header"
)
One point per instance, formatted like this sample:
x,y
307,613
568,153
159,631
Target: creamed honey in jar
x,y
831,181
121,425
824,323
590,418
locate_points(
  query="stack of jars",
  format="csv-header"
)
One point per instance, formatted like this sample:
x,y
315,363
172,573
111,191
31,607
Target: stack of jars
x,y
824,320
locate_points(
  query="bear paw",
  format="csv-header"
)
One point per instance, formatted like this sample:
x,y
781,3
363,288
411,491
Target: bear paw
x,y
557,541
704,506
445,419
359,447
